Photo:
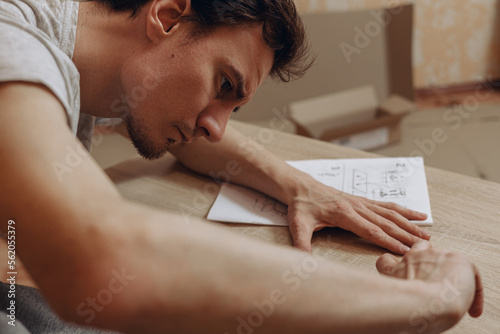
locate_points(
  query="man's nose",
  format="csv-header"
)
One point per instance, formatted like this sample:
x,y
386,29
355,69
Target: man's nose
x,y
212,122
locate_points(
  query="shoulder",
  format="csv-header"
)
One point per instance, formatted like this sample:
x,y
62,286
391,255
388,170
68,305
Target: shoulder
x,y
33,48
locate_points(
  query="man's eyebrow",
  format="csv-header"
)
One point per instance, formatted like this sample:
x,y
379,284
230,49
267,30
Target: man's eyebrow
x,y
239,84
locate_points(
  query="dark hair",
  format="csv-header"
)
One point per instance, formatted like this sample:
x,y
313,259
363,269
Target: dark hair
x,y
283,30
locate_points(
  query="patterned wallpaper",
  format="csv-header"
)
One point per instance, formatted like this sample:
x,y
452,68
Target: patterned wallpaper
x,y
455,41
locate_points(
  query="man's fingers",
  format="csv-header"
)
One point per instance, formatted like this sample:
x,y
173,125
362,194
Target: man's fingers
x,y
301,232
410,214
386,263
401,221
421,245
391,228
369,231
476,308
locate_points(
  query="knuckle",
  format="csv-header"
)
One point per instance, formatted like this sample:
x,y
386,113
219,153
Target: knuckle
x,y
393,206
412,239
393,215
455,257
429,254
343,207
389,205
372,232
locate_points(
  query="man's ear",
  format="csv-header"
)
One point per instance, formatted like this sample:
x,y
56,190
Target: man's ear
x,y
163,17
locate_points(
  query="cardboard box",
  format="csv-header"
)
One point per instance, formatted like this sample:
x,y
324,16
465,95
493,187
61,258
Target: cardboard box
x,y
336,110
385,129
382,130
352,49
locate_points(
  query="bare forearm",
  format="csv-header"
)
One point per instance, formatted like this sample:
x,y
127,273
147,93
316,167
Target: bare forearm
x,y
100,260
239,159
179,273
311,204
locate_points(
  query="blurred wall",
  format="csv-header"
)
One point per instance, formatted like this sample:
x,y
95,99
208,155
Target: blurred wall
x,y
455,41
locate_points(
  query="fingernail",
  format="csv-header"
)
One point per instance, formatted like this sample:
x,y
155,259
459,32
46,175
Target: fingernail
x,y
404,249
425,234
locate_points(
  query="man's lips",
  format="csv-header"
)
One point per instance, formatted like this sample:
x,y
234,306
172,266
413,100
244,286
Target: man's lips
x,y
184,139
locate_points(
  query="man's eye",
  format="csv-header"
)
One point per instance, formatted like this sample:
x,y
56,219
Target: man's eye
x,y
226,84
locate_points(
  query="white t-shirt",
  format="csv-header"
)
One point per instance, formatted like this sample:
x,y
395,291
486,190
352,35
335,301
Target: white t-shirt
x,y
37,40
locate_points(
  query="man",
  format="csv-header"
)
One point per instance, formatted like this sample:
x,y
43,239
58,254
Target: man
x,y
198,61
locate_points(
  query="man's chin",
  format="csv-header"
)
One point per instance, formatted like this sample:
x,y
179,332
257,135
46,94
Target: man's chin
x,y
149,154
142,144
148,151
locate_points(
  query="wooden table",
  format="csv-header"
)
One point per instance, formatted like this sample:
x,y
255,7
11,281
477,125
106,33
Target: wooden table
x,y
466,211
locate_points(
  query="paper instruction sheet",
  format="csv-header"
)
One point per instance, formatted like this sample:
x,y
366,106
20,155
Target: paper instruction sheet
x,y
398,180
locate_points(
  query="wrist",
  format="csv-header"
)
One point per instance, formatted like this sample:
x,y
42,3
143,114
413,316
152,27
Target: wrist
x,y
302,186
439,310
295,185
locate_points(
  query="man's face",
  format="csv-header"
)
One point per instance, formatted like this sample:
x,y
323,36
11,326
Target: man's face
x,y
193,86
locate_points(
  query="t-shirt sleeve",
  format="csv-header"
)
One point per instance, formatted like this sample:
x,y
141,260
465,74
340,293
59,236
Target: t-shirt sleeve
x,y
27,54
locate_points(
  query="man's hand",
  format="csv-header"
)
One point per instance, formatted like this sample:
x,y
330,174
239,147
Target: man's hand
x,y
311,204
385,224
459,280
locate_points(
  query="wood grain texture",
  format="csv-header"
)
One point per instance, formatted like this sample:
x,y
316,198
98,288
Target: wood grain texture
x,y
465,210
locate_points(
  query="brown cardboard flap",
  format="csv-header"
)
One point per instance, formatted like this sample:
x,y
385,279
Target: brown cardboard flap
x,y
336,110
391,121
397,105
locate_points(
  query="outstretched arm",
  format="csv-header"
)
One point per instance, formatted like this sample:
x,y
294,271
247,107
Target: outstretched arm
x,y
102,261
311,205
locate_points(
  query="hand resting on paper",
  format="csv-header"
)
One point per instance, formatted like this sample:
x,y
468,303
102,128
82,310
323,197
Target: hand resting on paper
x,y
315,206
311,204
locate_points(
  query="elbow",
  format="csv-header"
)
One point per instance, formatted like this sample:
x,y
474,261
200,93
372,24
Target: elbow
x,y
95,283
101,305
96,299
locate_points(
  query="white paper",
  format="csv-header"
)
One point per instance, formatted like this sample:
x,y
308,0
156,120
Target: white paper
x,y
398,180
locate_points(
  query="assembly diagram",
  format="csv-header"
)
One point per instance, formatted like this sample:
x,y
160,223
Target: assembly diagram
x,y
265,203
397,180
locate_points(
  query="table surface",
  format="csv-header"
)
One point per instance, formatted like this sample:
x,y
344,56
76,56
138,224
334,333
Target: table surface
x,y
465,211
